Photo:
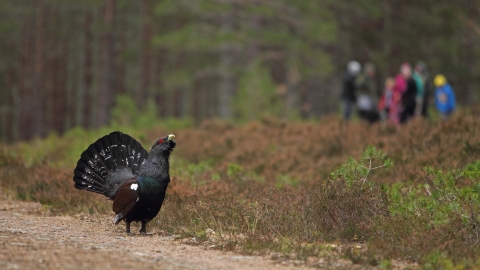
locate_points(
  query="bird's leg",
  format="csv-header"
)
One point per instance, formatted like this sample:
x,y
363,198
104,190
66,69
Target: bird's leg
x,y
127,227
143,229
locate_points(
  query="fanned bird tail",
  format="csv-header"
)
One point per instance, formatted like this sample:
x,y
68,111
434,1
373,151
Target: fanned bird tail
x,y
107,163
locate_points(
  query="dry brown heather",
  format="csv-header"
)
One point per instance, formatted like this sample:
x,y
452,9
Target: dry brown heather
x,y
309,151
262,187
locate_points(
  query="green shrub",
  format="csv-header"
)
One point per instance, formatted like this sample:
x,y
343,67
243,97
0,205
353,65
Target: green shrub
x,y
256,96
353,203
453,194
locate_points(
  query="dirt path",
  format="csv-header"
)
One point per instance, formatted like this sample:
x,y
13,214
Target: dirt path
x,y
31,240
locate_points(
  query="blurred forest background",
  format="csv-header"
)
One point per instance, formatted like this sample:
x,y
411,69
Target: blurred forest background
x,y
67,63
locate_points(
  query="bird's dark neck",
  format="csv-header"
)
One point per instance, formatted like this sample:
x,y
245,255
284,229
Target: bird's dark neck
x,y
157,166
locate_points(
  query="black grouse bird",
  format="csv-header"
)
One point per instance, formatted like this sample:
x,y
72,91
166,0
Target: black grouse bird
x,y
118,167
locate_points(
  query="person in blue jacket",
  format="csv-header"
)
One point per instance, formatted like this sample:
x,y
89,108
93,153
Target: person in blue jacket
x,y
444,96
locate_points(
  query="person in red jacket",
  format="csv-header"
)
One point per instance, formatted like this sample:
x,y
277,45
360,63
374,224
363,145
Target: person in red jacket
x,y
405,86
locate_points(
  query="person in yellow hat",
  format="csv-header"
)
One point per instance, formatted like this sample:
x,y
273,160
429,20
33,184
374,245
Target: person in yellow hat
x,y
444,96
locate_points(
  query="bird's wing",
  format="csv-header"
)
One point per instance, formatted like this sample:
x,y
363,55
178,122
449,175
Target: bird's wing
x,y
125,199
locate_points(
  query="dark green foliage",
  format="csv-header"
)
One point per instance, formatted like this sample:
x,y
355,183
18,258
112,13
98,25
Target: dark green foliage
x,y
256,95
446,211
64,62
353,202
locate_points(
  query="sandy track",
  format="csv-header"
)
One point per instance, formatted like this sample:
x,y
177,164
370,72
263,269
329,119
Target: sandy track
x,y
31,240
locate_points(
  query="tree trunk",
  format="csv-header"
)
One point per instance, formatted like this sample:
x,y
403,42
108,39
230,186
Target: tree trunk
x,y
16,114
83,92
106,91
226,86
472,15
39,82
145,54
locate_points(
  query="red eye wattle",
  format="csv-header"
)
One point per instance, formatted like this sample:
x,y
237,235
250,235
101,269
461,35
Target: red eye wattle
x,y
160,141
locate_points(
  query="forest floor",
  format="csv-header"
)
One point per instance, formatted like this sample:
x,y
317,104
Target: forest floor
x,y
31,239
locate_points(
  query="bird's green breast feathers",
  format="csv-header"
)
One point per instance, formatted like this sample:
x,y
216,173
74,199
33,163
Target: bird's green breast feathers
x,y
151,186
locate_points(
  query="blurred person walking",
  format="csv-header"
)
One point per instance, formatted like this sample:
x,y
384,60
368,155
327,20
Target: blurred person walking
x,y
389,103
349,88
444,97
367,82
368,94
421,69
399,87
406,86
419,82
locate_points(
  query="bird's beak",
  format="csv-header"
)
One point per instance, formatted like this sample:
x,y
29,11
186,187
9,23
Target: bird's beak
x,y
170,137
